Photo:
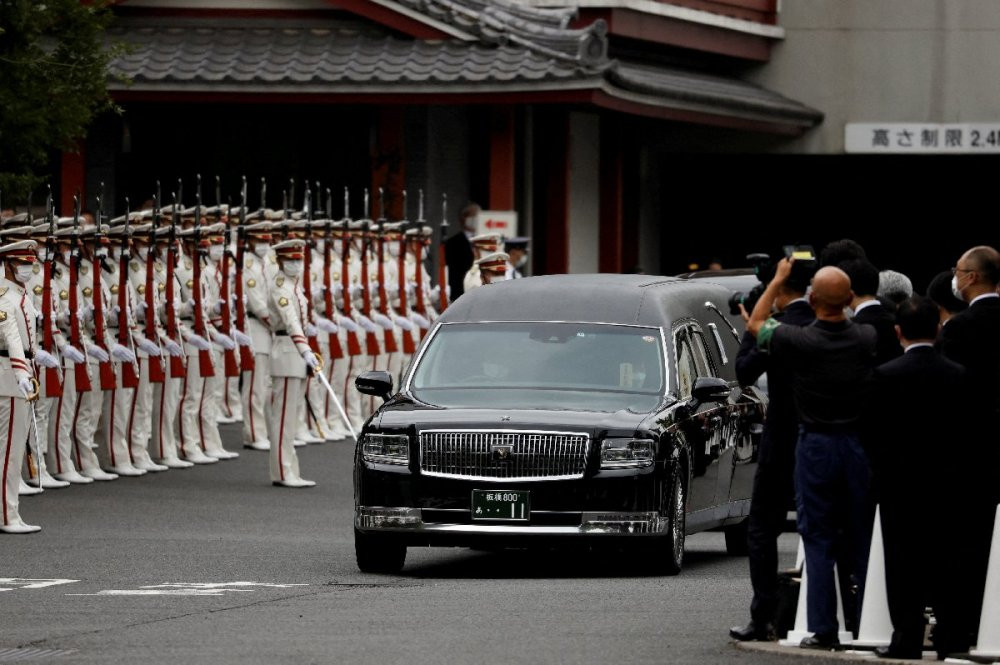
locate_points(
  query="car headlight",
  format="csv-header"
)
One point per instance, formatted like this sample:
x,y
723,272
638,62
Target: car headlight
x,y
627,453
386,448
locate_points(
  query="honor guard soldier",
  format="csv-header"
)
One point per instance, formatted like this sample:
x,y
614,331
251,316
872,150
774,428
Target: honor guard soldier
x,y
350,333
17,379
231,407
256,394
216,385
291,361
483,244
493,267
320,280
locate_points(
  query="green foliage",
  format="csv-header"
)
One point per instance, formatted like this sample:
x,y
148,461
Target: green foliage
x,y
53,79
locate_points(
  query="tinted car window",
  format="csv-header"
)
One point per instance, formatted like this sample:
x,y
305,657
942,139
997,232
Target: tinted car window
x,y
542,365
687,371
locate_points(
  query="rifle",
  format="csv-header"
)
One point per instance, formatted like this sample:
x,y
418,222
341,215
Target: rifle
x,y
419,266
53,378
204,357
336,352
442,257
130,378
307,269
231,367
246,353
107,371
177,367
80,374
389,339
156,372
353,346
409,347
371,341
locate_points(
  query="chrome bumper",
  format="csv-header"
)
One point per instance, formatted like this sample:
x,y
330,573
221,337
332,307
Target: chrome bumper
x,y
410,520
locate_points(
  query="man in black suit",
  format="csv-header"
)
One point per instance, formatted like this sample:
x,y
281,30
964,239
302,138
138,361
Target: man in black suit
x,y
774,484
972,339
868,310
458,250
915,400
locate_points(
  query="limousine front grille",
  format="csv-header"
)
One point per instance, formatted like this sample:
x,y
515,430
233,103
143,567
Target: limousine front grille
x,y
508,455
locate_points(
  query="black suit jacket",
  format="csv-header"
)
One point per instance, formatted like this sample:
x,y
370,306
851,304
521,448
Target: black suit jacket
x,y
972,339
917,426
884,322
458,251
781,426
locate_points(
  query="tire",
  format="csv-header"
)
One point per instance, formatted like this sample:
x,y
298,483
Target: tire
x,y
377,553
665,555
736,538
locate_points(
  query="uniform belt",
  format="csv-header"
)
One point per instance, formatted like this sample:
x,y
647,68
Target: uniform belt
x,y
281,333
253,316
187,320
5,353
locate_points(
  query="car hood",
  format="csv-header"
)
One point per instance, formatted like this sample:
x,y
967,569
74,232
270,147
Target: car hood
x,y
406,415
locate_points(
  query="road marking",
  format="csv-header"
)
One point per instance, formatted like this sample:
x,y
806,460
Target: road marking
x,y
190,589
11,583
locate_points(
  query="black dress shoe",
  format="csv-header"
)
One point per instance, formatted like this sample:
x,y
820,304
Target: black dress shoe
x,y
753,633
821,642
895,652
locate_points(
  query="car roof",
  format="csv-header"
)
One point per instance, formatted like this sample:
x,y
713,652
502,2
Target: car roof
x,y
600,298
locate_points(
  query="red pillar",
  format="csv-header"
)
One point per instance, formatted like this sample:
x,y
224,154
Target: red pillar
x,y
612,212
552,191
73,179
502,158
388,164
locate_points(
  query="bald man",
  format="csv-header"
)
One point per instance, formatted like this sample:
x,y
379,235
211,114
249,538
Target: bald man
x,y
830,362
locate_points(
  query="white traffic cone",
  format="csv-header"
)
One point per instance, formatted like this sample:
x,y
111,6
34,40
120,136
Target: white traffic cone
x,y
988,642
800,631
876,625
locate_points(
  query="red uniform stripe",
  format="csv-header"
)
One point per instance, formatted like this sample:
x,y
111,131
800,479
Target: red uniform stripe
x,y
281,430
6,459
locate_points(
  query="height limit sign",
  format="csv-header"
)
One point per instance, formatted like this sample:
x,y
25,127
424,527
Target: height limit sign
x,y
502,222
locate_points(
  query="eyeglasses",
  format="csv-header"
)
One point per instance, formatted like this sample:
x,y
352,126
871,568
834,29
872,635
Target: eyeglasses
x,y
956,270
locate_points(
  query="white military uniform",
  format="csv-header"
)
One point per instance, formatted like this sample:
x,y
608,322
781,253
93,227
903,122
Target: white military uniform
x,y
231,406
215,386
256,394
288,370
355,404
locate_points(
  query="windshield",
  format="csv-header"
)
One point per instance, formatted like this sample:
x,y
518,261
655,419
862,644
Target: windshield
x,y
580,366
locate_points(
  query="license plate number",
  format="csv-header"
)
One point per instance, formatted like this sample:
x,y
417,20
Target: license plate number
x,y
501,505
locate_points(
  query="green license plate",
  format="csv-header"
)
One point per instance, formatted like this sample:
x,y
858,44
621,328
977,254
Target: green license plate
x,y
501,505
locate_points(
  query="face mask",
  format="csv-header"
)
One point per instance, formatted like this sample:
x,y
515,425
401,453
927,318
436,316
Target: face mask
x,y
320,246
114,255
261,249
142,252
292,268
24,272
66,254
215,252
102,252
521,262
957,292
394,250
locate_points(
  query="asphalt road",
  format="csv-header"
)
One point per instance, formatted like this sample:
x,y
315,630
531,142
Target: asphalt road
x,y
155,564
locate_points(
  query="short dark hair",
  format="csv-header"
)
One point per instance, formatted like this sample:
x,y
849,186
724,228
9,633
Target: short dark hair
x,y
864,276
940,293
918,318
839,251
986,262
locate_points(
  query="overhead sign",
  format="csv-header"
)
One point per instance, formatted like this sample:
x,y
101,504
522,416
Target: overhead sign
x,y
922,138
503,222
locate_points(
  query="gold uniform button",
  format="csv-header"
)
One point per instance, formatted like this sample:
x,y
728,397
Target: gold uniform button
x,y
141,288
134,266
84,270
251,282
114,288
3,315
38,290
87,291
161,287
63,295
188,265
190,284
36,268
283,301
280,281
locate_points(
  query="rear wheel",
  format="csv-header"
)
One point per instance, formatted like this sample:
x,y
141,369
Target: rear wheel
x,y
665,555
736,538
378,553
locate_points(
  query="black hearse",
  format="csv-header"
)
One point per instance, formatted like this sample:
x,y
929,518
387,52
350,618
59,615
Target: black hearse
x,y
598,409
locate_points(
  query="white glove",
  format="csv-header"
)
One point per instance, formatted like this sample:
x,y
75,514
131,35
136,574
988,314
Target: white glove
x,y
411,289
326,325
142,305
86,312
420,320
367,323
403,322
317,292
382,320
225,341
173,348
217,307
115,311
147,346
338,288
26,386
190,303
311,361
198,342
435,292
122,354
355,291
241,338
373,285
73,354
97,353
392,291
46,359
347,324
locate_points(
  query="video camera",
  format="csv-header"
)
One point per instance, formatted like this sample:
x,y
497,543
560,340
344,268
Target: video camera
x,y
803,269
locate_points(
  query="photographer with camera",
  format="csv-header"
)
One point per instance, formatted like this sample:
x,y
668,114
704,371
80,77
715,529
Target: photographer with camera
x,y
829,362
773,485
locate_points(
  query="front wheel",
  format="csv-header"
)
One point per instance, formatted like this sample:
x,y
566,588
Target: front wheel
x,y
378,553
665,555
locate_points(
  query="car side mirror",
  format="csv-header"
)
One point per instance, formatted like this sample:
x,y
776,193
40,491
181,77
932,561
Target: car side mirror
x,y
377,383
710,389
